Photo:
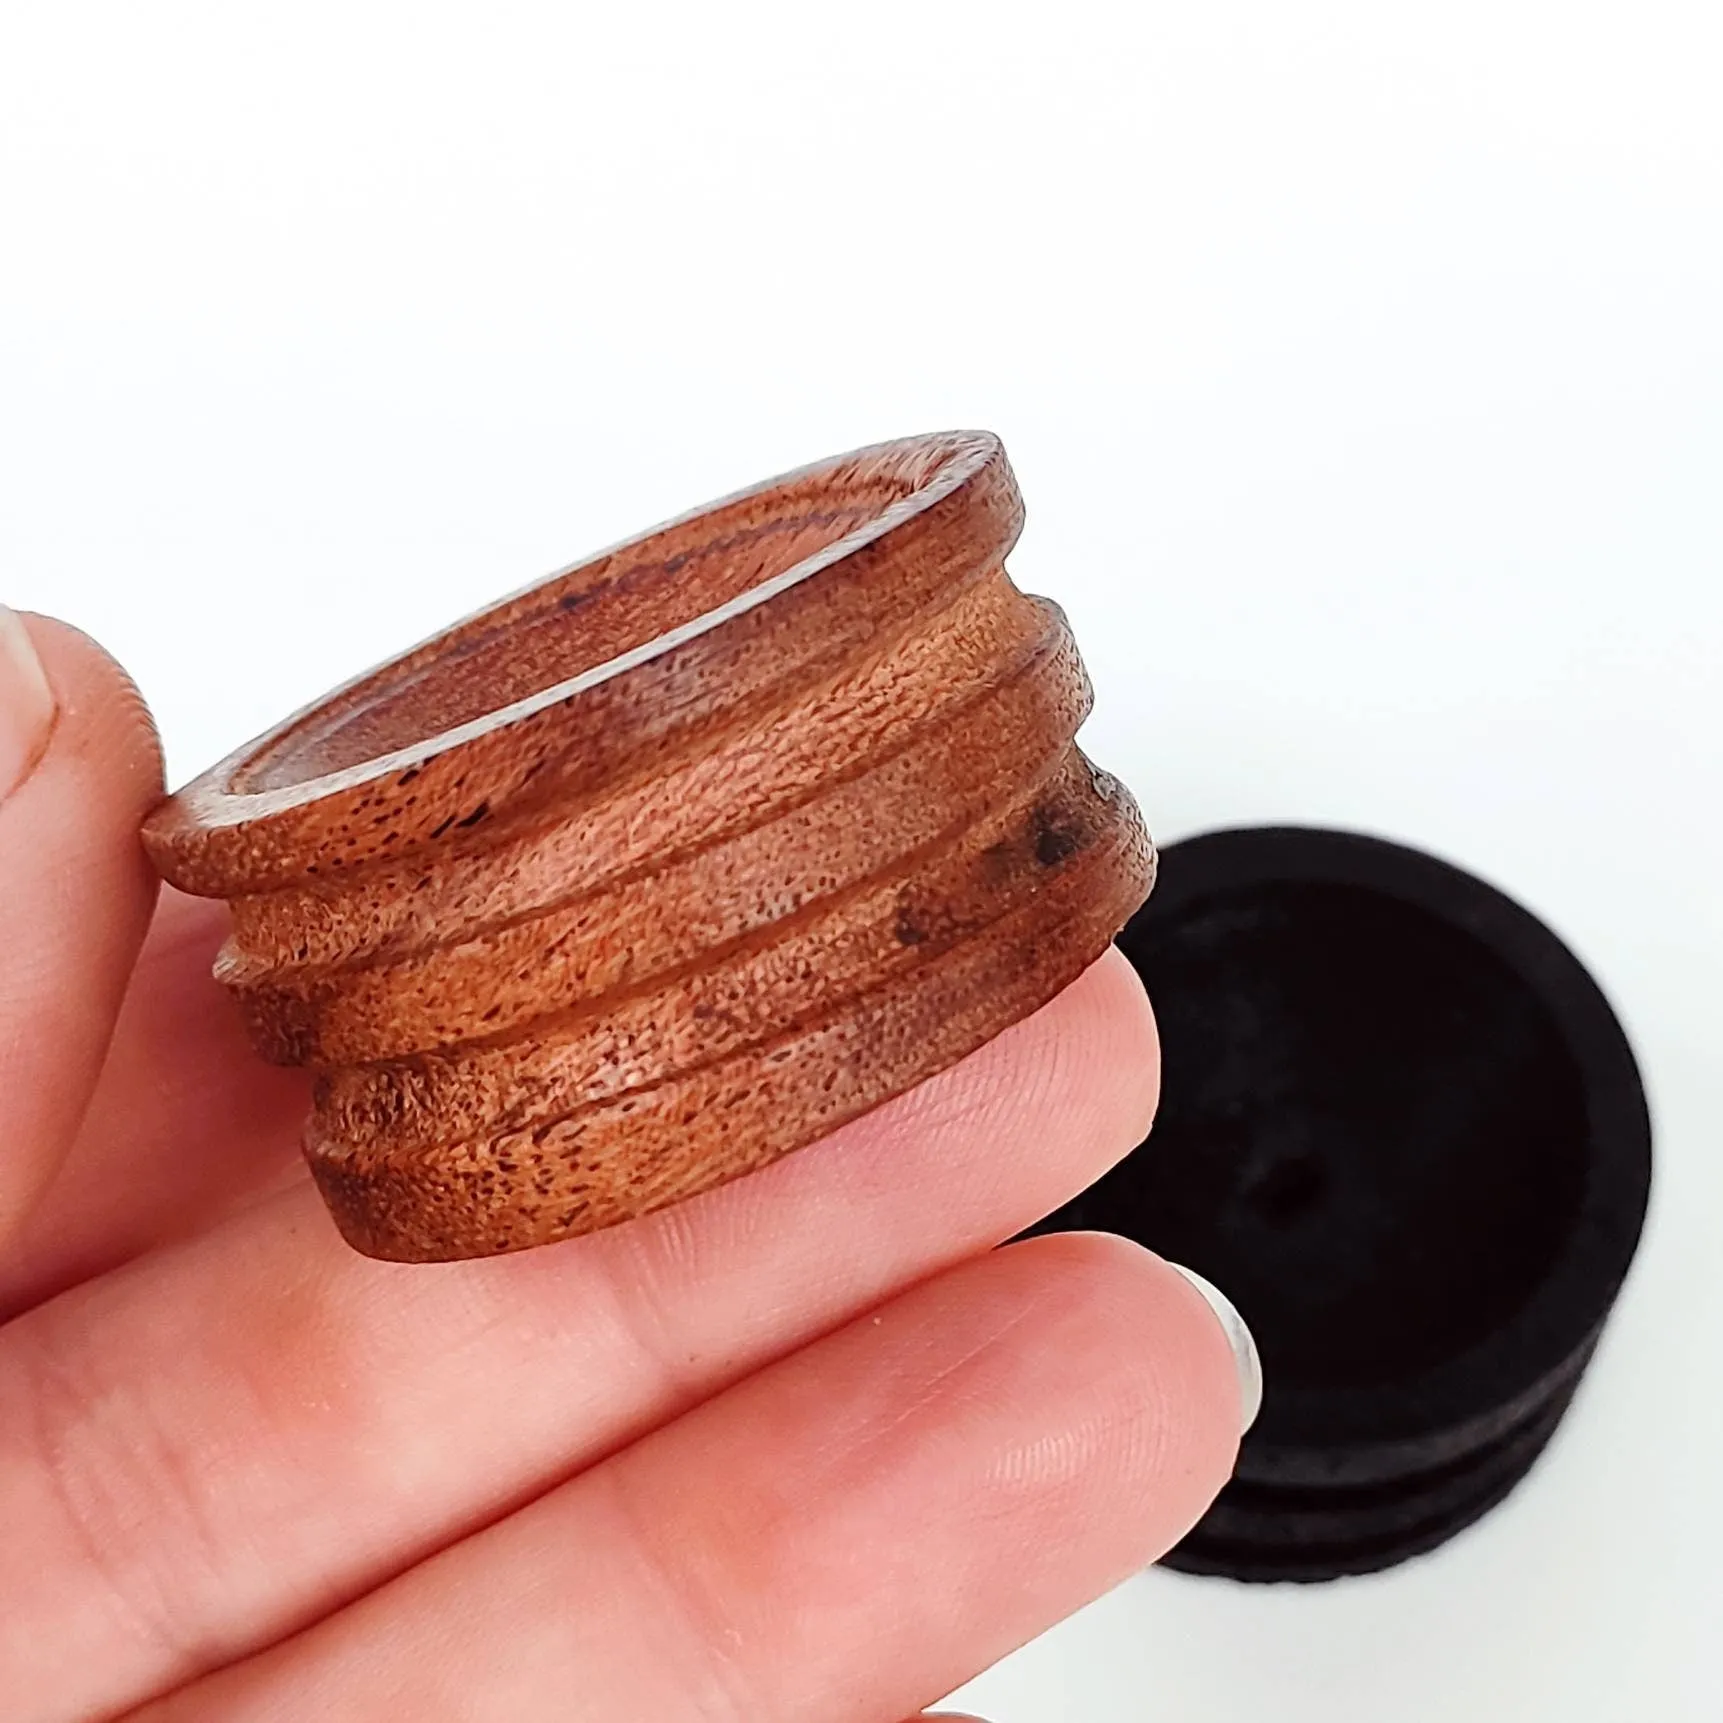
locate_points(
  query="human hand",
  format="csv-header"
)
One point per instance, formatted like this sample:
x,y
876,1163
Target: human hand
x,y
803,1450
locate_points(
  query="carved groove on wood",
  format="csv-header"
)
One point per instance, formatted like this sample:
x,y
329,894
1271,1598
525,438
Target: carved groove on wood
x,y
672,863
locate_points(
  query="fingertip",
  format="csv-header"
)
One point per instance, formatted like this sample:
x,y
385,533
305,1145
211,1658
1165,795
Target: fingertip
x,y
1170,1374
27,705
1242,1343
1105,1018
102,720
1058,1098
76,891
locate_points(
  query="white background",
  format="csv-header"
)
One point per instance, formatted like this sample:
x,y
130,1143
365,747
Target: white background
x,y
1363,368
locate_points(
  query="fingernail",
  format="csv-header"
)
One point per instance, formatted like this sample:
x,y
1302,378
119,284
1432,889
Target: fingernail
x,y
1238,1337
26,703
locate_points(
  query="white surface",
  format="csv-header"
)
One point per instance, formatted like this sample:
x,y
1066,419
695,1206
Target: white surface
x,y
1363,366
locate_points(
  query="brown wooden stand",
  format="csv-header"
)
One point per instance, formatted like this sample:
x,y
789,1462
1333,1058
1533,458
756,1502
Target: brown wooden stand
x,y
669,865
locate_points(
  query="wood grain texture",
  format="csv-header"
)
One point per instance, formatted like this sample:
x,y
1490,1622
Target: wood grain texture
x,y
671,864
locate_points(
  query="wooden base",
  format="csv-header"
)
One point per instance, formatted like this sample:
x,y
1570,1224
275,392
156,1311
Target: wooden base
x,y
671,864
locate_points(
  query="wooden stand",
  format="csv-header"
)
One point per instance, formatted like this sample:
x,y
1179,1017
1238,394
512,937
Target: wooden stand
x,y
671,864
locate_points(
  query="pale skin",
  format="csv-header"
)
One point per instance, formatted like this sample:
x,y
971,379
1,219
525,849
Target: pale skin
x,y
805,1450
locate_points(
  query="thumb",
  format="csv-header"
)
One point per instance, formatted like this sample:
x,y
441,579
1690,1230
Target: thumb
x,y
79,768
